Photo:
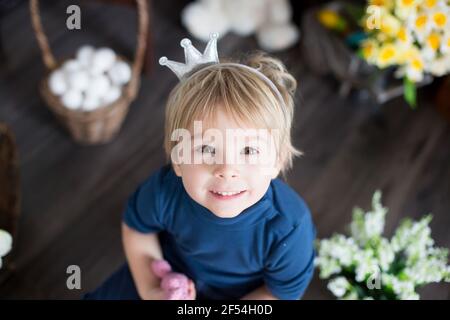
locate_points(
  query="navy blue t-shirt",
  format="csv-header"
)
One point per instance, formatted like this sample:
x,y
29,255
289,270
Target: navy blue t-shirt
x,y
270,242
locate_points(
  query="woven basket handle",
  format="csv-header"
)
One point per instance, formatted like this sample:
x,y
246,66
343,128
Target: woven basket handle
x,y
49,58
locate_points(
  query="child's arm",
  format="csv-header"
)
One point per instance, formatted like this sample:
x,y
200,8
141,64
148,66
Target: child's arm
x,y
141,249
261,293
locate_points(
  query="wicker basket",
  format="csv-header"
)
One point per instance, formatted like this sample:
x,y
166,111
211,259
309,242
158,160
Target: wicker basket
x,y
102,124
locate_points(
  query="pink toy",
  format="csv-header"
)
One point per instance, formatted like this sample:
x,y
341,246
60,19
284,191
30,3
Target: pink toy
x,y
175,285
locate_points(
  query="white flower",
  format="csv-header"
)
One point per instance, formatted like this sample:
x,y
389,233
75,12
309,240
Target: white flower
x,y
403,264
338,286
366,226
352,295
385,254
440,66
409,295
366,265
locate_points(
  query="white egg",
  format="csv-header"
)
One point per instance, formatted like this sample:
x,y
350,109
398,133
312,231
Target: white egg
x,y
102,60
112,95
57,82
78,80
91,103
85,54
71,65
120,73
98,86
5,243
72,99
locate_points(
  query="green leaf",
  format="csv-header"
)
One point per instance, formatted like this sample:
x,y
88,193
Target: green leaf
x,y
410,92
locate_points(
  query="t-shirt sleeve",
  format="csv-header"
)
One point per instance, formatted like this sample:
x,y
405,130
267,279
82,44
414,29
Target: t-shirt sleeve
x,y
290,265
142,211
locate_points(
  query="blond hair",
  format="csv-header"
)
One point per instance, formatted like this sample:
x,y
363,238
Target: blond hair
x,y
243,94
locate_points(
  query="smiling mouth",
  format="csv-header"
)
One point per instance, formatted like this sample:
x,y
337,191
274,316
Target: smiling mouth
x,y
225,195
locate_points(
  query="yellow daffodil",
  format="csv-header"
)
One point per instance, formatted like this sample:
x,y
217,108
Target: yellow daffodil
x,y
414,64
431,45
440,19
404,8
430,4
390,25
407,53
388,4
413,35
421,25
369,50
406,4
404,36
434,41
387,55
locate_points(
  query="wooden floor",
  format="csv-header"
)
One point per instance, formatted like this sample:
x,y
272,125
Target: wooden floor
x,y
73,196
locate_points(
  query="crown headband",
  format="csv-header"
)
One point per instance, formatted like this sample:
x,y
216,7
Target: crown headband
x,y
209,58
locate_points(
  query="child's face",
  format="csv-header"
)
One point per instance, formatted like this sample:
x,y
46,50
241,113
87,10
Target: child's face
x,y
245,171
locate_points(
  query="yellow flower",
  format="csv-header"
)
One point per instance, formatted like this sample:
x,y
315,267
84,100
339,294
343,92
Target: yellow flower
x,y
414,69
421,25
390,25
406,3
369,50
403,35
440,19
388,4
387,55
421,22
405,7
407,53
434,41
430,4
328,18
414,64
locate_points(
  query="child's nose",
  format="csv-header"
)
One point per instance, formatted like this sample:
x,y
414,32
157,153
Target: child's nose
x,y
226,171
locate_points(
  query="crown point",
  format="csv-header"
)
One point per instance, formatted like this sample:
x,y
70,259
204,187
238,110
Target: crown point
x,y
185,42
214,35
163,61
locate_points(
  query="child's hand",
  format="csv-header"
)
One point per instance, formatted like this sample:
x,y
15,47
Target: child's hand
x,y
175,286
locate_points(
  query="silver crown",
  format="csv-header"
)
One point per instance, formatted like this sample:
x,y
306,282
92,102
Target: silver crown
x,y
193,57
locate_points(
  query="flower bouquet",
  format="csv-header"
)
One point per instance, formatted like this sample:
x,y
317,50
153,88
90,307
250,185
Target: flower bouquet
x,y
412,35
369,266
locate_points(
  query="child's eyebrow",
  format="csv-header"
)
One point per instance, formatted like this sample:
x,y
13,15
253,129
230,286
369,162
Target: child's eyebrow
x,y
250,137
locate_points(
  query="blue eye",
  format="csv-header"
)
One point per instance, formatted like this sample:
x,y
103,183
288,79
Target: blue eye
x,y
206,149
250,151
